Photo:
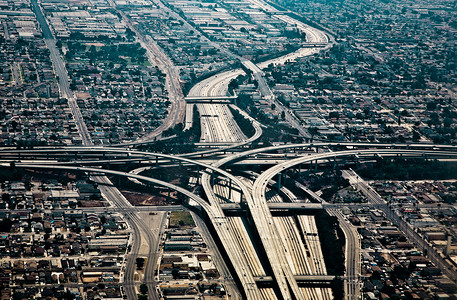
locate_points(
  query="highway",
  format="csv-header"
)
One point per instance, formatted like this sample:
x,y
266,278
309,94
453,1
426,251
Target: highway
x,y
217,84
256,201
119,201
313,35
216,119
132,155
225,192
231,232
352,285
213,130
270,173
272,244
301,242
269,238
229,146
352,254
261,183
218,220
214,212
216,131
74,153
158,57
140,230
218,127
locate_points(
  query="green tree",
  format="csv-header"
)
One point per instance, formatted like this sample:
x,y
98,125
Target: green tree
x,y
143,289
140,263
337,288
5,225
313,131
334,114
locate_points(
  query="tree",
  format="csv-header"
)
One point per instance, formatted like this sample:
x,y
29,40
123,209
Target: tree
x,y
5,225
6,197
399,272
143,289
233,84
140,263
313,131
334,114
14,124
416,136
431,105
101,286
376,275
337,288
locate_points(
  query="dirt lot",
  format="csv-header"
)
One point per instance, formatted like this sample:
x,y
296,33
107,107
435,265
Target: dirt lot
x,y
144,199
92,203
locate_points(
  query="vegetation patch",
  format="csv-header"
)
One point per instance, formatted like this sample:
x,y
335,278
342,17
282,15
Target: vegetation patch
x,y
244,123
183,140
329,182
181,218
276,131
408,169
332,241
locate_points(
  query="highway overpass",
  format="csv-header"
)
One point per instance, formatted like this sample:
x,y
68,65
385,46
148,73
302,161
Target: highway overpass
x,y
210,99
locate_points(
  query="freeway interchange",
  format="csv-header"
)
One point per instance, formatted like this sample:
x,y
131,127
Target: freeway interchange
x,y
269,258
228,229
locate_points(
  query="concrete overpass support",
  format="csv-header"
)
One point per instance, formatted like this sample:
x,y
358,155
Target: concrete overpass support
x,y
279,181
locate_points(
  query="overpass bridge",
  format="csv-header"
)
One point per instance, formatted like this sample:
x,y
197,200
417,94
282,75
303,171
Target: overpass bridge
x,y
261,211
314,45
211,99
256,198
276,208
102,155
213,212
302,280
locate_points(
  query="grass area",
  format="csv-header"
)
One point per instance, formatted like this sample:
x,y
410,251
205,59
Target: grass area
x,y
181,218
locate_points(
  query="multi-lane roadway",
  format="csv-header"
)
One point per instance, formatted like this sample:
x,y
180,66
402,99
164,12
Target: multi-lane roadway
x,y
218,127
220,130
256,200
217,84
